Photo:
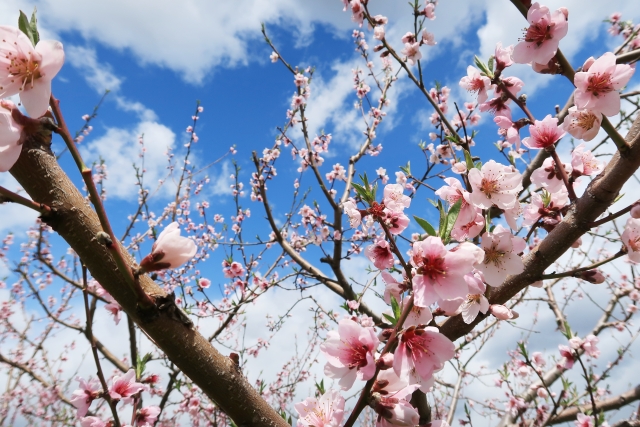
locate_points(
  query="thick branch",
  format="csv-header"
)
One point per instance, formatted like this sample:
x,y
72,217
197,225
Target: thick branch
x,y
610,404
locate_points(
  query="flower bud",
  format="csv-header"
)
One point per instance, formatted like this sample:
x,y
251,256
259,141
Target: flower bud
x,y
635,211
593,276
385,361
501,312
170,250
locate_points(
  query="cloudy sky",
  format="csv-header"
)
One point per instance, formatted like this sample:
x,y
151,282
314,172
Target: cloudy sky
x,y
157,57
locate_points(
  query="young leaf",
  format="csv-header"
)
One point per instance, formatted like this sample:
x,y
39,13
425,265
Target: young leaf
x,y
406,169
396,308
25,27
390,319
443,217
452,216
490,63
34,27
425,226
468,160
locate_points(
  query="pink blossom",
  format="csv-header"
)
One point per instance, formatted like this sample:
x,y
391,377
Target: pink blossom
x,y
548,177
459,168
233,269
635,211
584,162
469,230
418,316
10,130
512,84
474,304
541,39
450,306
274,57
594,276
582,124
547,207
326,411
125,386
568,357
452,193
204,283
380,254
378,32
146,417
583,420
430,11
423,349
538,358
92,422
349,352
503,56
589,346
412,52
544,133
29,70
501,312
394,199
396,221
88,392
440,272
508,129
350,209
631,239
476,82
495,184
353,304
113,307
501,258
169,251
390,393
597,88
392,287
428,38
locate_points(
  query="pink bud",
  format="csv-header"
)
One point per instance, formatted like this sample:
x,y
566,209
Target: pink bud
x,y
170,250
565,12
385,361
501,312
593,276
635,211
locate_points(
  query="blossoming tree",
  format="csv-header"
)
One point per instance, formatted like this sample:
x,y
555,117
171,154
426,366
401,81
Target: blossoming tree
x,y
509,233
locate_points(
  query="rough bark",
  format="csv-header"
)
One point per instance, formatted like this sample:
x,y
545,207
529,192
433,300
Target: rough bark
x,y
74,220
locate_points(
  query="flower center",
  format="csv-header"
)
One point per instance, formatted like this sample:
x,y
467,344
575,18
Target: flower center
x,y
600,84
432,267
538,33
493,256
586,120
23,67
488,187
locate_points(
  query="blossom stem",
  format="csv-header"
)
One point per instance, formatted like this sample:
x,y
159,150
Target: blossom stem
x,y
563,173
89,332
144,300
579,270
611,217
519,103
10,196
617,139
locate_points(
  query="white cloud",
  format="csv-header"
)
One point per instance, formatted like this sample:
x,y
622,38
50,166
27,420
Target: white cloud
x,y
120,150
98,75
15,218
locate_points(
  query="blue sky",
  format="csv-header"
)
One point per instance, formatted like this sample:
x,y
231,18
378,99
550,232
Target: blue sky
x,y
158,58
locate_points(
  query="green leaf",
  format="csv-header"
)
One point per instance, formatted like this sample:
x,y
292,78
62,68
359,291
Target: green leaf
x,y
396,308
468,160
452,216
443,217
34,27
490,63
481,65
425,226
478,165
320,387
390,319
25,27
406,169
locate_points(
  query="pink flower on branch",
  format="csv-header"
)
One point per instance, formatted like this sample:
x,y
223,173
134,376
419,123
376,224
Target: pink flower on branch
x,y
541,39
631,239
326,411
582,124
10,131
423,349
584,162
544,133
88,392
501,258
380,254
170,250
390,394
597,88
146,417
440,272
476,83
495,184
349,352
125,386
29,70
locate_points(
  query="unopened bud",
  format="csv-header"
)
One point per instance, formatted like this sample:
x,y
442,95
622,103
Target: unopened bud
x,y
635,211
385,334
385,361
593,276
501,312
